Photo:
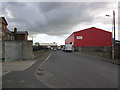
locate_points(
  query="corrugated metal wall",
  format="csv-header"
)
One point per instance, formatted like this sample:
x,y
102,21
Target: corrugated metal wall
x,y
93,38
92,41
70,39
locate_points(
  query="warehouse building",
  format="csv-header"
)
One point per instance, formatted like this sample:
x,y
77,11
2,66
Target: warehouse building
x,y
91,40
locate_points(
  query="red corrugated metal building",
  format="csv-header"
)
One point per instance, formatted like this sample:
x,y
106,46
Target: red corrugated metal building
x,y
90,37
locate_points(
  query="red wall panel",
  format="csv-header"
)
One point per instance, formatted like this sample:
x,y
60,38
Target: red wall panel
x,y
92,37
70,39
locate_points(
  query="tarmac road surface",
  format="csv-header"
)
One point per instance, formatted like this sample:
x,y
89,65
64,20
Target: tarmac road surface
x,y
65,70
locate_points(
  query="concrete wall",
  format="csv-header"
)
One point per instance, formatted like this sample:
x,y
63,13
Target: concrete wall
x,y
0,65
13,51
17,50
0,39
27,49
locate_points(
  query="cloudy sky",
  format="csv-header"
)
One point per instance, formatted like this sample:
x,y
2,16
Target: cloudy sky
x,y
49,22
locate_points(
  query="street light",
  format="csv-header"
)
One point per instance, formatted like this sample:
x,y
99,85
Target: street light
x,y
113,46
114,24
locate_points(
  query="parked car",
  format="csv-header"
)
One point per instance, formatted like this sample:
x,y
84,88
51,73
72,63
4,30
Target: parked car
x,y
54,49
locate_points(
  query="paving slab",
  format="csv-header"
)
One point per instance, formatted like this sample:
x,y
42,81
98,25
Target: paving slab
x,y
16,66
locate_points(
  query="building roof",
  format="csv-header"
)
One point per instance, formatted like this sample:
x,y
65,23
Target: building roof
x,y
48,44
3,18
21,32
91,29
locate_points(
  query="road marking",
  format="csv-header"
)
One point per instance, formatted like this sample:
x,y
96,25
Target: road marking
x,y
22,81
9,81
45,60
40,66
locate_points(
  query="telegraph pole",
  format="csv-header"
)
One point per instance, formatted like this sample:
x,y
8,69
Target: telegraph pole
x,y
114,34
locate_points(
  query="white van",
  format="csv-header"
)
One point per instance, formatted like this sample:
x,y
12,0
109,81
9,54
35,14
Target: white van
x,y
68,47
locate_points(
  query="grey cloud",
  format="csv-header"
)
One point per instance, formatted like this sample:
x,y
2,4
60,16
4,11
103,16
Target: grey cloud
x,y
49,6
98,5
52,18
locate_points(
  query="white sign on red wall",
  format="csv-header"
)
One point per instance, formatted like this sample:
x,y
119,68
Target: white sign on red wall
x,y
79,37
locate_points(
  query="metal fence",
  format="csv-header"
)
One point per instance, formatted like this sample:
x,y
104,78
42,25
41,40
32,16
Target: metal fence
x,y
96,51
38,48
117,51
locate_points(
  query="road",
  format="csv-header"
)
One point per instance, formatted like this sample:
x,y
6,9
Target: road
x,y
65,70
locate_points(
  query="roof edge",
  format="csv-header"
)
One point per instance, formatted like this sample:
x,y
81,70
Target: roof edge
x,y
4,20
91,28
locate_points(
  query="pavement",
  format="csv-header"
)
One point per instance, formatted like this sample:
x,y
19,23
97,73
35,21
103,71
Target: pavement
x,y
19,65
25,77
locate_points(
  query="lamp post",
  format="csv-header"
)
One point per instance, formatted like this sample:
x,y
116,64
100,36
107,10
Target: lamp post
x,y
114,32
114,24
113,43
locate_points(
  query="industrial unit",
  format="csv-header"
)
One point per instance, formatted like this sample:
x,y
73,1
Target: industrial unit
x,y
92,38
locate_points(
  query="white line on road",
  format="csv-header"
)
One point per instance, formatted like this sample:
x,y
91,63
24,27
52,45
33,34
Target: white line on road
x,y
45,60
40,66
22,81
43,63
